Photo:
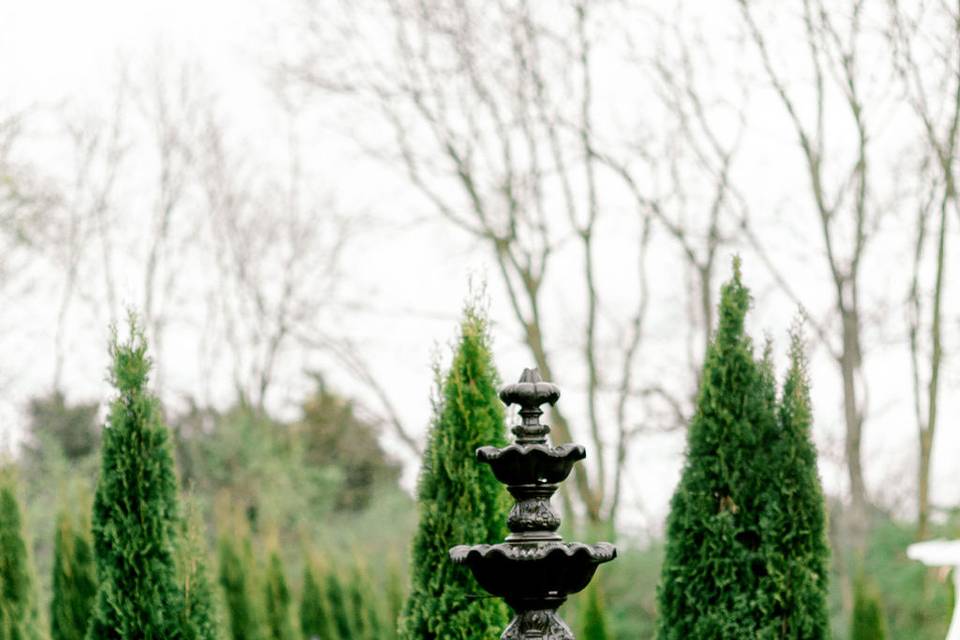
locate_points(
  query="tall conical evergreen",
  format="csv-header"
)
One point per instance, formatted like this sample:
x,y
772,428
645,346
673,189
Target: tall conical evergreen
x,y
749,484
460,501
19,614
279,603
364,606
395,595
712,568
867,622
795,546
315,616
135,510
199,619
594,626
238,579
74,578
339,609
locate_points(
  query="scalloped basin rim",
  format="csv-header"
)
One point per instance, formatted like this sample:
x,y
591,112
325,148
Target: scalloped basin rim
x,y
599,552
563,451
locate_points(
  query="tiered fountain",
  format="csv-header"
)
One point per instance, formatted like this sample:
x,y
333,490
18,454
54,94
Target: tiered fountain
x,y
533,570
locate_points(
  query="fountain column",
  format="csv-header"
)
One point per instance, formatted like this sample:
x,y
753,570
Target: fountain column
x,y
533,569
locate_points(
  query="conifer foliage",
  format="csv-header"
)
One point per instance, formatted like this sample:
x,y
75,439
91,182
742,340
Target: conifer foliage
x,y
74,578
460,502
135,515
315,617
339,609
746,553
199,619
868,622
238,580
278,601
19,619
796,550
594,616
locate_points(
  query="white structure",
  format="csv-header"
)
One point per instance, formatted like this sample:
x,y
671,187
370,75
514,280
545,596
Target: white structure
x,y
942,553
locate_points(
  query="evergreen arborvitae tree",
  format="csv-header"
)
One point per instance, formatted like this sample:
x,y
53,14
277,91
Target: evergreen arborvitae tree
x,y
135,510
19,615
395,597
746,552
238,579
460,501
74,578
315,617
199,619
279,613
364,606
339,609
795,548
867,622
713,565
594,625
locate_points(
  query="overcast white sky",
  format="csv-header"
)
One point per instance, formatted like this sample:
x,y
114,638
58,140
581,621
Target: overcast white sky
x,y
416,277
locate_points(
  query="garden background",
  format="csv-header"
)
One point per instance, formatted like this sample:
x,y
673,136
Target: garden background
x,y
294,196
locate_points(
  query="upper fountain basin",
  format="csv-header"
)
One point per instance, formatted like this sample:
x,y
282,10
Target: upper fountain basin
x,y
524,572
518,464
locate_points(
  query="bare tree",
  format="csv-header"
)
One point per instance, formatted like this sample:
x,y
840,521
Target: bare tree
x,y
841,191
686,187
82,215
171,103
25,196
925,41
277,246
492,109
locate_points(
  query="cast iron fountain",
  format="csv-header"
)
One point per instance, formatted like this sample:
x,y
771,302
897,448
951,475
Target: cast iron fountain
x,y
533,570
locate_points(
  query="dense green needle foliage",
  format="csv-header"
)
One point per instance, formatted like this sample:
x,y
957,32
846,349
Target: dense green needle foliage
x,y
794,530
867,622
315,618
339,609
74,578
135,514
238,579
395,596
279,603
199,619
594,626
746,552
19,615
460,500
365,606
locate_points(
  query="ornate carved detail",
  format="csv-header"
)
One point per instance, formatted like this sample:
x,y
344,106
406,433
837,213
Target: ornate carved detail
x,y
533,514
543,624
530,392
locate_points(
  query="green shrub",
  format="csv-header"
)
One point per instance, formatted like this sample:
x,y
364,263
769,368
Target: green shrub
x,y
74,578
279,604
238,580
19,614
746,553
867,622
199,618
135,510
794,590
594,615
339,609
315,618
460,502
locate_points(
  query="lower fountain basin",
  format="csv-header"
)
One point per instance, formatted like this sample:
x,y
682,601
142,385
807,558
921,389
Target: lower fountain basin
x,y
525,575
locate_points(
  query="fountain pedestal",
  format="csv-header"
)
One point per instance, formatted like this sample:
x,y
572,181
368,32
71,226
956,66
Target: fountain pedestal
x,y
533,569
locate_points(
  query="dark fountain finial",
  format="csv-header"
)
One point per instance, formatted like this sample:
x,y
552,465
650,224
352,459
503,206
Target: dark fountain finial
x,y
533,570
